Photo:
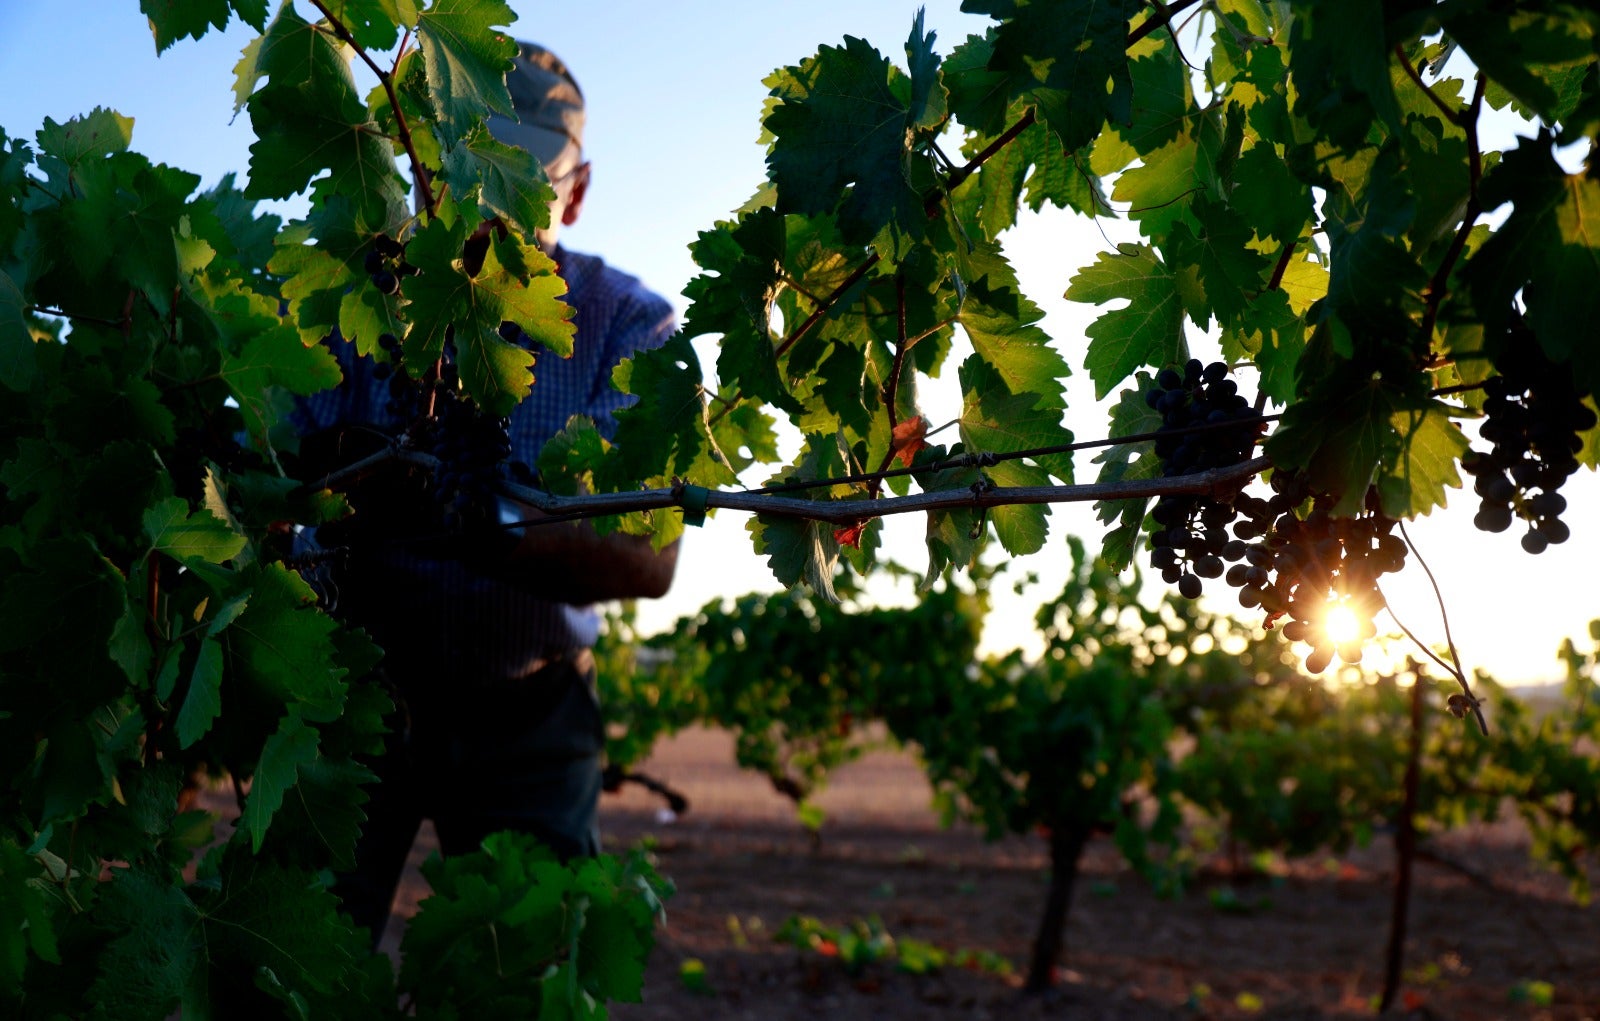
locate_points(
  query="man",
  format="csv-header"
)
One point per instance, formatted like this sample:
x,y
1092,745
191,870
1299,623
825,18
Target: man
x,y
489,663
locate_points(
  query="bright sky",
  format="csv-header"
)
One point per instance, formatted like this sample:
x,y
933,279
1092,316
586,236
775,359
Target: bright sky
x,y
674,96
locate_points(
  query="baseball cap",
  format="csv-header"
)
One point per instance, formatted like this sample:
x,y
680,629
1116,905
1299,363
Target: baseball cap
x,y
549,108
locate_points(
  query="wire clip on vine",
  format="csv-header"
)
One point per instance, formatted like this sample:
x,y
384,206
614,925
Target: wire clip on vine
x,y
694,500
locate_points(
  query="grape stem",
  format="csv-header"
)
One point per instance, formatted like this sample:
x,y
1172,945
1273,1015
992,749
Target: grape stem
x,y
1450,642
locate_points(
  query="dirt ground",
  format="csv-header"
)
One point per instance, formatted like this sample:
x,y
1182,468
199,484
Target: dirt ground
x,y
1305,941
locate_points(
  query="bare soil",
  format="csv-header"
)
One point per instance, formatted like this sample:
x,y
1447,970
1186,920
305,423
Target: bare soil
x,y
1304,940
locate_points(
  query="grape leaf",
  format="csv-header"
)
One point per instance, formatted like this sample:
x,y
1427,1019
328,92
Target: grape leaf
x,y
797,551
516,283
1148,331
1022,528
509,181
467,60
156,950
742,265
1340,433
1268,195
928,107
1340,55
1127,462
840,126
172,530
996,421
171,20
283,645
668,430
319,820
1430,445
1001,322
1067,57
275,357
1228,269
289,748
308,118
203,701
1272,336
1161,101
373,24
1522,50
1547,246
82,140
18,360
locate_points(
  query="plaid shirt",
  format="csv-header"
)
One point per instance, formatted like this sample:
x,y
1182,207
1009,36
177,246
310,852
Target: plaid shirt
x,y
485,626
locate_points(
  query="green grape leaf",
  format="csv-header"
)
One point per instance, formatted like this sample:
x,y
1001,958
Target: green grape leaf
x,y
928,107
373,24
509,181
320,817
517,283
1229,271
82,140
282,927
308,118
841,125
1340,54
1268,195
1001,322
172,530
1148,331
1272,335
203,701
467,60
18,359
617,932
1340,433
1162,100
1022,528
1547,248
289,748
275,357
1523,51
743,268
797,551
996,421
1069,58
153,962
171,20
668,431
1430,446
283,645
1127,462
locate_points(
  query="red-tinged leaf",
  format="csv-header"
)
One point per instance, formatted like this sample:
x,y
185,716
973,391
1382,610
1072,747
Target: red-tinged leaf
x,y
850,535
909,441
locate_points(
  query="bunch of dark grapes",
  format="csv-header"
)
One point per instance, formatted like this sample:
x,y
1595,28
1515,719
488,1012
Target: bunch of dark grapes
x,y
470,446
1534,414
386,264
1282,563
1205,424
1301,568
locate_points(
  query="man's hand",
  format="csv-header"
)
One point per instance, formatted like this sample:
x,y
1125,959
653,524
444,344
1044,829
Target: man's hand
x,y
569,562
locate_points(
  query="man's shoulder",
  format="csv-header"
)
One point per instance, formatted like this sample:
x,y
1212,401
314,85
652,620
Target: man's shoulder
x,y
591,279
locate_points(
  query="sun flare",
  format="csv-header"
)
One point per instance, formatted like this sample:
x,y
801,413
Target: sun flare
x,y
1341,624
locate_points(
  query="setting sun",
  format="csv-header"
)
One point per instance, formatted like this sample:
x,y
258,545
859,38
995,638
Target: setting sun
x,y
1341,624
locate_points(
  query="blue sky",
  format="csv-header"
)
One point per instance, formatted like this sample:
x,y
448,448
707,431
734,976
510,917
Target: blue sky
x,y
674,96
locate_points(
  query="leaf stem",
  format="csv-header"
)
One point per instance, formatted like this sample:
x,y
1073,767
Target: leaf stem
x,y
1163,17
1451,114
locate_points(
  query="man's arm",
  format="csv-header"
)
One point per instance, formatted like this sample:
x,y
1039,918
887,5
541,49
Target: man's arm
x,y
569,562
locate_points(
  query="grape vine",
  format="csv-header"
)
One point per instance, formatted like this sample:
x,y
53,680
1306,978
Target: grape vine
x,y
1309,187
